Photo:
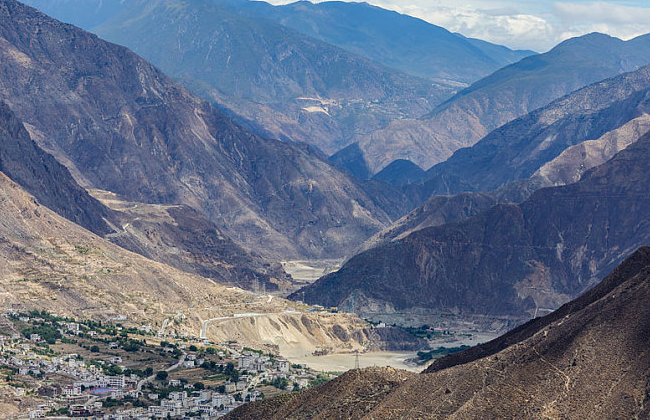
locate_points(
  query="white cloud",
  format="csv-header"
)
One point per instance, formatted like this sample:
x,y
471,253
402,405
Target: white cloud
x,y
527,24
515,29
617,20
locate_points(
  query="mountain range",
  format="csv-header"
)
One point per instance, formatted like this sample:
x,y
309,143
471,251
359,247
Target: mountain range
x,y
398,41
499,98
336,130
273,79
519,149
509,260
327,74
156,232
552,146
123,126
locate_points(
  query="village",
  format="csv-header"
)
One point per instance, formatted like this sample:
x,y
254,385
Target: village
x,y
62,368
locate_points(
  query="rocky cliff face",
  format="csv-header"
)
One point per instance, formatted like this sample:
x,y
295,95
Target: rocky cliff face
x,y
520,148
121,125
511,260
507,94
587,360
176,235
49,181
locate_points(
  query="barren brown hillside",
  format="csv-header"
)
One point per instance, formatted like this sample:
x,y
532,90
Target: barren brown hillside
x,y
588,360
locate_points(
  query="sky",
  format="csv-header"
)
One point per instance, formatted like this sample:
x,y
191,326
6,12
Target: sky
x,y
527,24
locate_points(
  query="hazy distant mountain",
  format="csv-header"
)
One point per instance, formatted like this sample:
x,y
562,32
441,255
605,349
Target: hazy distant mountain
x,y
82,13
589,359
510,260
398,41
501,97
121,125
277,81
520,148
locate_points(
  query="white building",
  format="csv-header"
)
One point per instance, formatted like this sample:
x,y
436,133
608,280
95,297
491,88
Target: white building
x,y
72,390
283,365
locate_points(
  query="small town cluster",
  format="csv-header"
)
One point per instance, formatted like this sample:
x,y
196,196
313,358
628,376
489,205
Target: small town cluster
x,y
54,367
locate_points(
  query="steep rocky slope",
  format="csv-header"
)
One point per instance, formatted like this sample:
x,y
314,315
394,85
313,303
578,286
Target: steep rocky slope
x,y
47,262
286,84
121,125
351,396
587,360
176,235
511,260
393,39
520,148
567,138
41,175
501,97
179,236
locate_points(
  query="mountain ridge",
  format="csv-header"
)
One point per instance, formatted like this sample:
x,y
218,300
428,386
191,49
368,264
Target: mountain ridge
x,y
507,94
510,260
399,41
125,127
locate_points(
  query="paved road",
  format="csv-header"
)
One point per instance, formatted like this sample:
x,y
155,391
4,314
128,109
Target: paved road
x,y
168,369
161,331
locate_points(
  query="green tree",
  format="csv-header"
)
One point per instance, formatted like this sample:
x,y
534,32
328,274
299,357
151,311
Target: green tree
x,y
162,375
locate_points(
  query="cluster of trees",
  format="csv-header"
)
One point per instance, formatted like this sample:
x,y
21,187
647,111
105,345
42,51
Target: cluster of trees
x,y
48,332
425,332
425,356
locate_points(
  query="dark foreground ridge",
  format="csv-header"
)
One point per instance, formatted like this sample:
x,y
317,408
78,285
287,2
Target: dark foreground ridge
x,y
589,359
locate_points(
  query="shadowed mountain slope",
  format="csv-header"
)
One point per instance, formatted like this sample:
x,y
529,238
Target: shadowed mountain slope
x,y
587,360
401,172
176,235
121,125
41,175
510,260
